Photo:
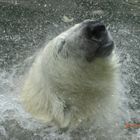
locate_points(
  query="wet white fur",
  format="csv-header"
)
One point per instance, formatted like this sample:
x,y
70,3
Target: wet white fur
x,y
67,92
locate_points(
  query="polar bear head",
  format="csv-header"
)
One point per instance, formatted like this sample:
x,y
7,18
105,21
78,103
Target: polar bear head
x,y
85,41
87,45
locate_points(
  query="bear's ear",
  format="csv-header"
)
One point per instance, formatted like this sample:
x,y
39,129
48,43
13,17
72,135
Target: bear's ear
x,y
60,45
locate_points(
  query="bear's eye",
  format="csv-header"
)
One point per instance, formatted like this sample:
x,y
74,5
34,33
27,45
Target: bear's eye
x,y
60,45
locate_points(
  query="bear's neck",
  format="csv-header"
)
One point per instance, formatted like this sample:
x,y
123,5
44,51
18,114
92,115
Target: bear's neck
x,y
99,77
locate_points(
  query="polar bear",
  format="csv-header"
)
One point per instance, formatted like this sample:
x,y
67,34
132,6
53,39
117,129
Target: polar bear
x,y
74,78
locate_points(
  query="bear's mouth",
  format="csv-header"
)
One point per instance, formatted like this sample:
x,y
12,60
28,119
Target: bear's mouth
x,y
105,50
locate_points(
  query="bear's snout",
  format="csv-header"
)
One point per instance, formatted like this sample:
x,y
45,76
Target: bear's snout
x,y
101,42
95,30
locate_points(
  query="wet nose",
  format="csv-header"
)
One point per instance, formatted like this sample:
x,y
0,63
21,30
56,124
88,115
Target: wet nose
x,y
95,30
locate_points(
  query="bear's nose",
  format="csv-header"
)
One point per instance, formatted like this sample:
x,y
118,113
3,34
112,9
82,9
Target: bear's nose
x,y
95,30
